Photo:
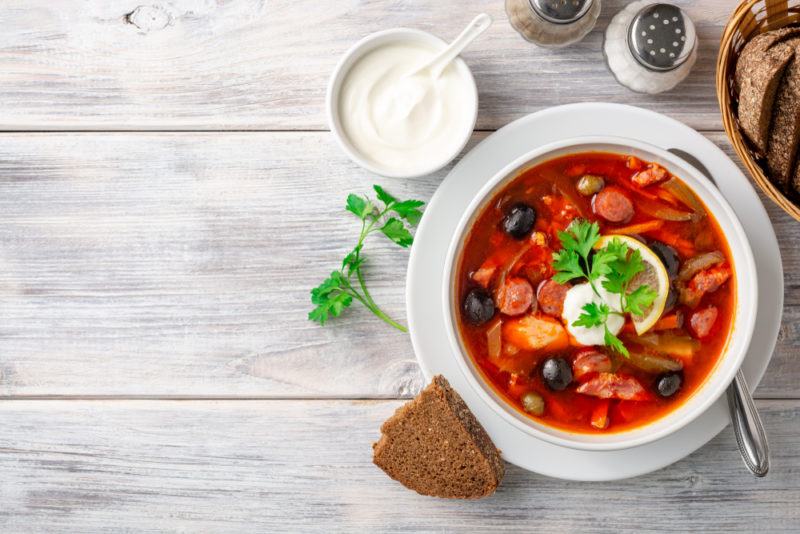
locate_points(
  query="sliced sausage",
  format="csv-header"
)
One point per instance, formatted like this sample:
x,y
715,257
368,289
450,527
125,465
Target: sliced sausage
x,y
590,361
536,273
706,281
551,295
710,280
613,205
653,174
702,321
515,297
614,386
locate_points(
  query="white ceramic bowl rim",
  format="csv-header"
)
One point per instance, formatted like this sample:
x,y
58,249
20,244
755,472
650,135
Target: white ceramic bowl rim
x,y
355,53
744,318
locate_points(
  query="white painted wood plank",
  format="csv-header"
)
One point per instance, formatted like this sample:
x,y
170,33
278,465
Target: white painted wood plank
x,y
253,64
180,264
303,466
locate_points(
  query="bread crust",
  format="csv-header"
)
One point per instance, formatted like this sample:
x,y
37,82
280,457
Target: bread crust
x,y
758,74
435,446
784,133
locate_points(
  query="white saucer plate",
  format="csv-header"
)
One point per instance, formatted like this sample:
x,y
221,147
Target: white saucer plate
x,y
426,315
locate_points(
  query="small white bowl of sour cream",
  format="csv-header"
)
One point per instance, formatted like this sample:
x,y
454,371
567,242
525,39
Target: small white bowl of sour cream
x,y
386,127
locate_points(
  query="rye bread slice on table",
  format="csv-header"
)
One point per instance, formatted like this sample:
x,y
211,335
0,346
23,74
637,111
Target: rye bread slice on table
x,y
758,73
784,133
435,446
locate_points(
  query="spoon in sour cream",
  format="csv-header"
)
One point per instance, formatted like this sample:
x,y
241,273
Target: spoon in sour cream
x,y
413,88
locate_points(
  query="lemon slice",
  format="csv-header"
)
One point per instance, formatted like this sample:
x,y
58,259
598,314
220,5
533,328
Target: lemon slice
x,y
655,275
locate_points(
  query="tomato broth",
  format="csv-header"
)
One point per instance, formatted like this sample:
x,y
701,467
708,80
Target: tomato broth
x,y
511,311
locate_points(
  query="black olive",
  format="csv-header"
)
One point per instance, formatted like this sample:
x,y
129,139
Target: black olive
x,y
519,220
672,299
669,383
668,256
478,306
557,373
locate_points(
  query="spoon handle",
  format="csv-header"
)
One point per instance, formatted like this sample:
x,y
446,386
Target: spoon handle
x,y
747,427
475,28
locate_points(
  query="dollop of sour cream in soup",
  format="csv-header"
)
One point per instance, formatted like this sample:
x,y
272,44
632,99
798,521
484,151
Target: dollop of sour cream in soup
x,y
579,296
399,122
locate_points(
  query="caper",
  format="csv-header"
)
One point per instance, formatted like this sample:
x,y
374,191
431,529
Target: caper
x,y
533,403
589,184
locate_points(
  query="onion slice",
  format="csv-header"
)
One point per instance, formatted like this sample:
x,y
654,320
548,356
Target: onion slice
x,y
685,195
694,265
662,211
652,363
494,340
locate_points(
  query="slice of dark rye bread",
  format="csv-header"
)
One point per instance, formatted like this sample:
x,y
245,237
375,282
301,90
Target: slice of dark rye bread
x,y
434,445
758,73
784,133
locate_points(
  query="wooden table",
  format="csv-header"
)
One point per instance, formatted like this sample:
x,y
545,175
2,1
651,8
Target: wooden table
x,y
168,196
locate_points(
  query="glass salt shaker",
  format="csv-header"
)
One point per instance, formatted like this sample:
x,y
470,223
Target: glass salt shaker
x,y
553,23
650,48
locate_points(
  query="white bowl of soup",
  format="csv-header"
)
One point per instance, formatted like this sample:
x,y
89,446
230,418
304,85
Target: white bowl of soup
x,y
599,293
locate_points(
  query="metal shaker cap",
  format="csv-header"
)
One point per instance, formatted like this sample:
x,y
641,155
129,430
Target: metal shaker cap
x,y
561,11
661,37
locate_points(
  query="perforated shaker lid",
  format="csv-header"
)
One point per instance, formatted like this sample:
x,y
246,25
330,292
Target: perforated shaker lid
x,y
561,11
661,37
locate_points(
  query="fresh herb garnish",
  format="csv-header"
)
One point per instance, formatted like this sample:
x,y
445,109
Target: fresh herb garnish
x,y
338,291
614,265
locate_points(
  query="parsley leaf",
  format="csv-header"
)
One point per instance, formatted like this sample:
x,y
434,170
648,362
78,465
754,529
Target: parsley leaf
x,y
383,196
593,315
568,266
359,206
639,300
601,264
394,230
342,287
330,298
614,266
580,236
409,210
610,340
577,243
353,260
406,209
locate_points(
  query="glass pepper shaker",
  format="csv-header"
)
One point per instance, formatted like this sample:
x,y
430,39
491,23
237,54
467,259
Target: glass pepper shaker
x,y
650,48
553,23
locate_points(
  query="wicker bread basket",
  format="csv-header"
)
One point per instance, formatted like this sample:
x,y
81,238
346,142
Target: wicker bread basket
x,y
751,18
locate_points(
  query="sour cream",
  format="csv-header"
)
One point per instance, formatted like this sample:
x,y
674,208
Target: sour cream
x,y
579,296
405,124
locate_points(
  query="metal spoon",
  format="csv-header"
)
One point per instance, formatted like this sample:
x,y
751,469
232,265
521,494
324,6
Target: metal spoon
x,y
747,426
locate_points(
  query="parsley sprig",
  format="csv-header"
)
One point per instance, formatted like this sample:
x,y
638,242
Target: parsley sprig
x,y
393,219
614,266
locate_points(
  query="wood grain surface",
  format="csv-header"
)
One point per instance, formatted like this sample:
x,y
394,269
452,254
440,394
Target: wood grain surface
x,y
169,195
253,64
179,264
299,466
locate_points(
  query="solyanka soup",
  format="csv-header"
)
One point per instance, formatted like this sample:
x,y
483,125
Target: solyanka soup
x,y
595,292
